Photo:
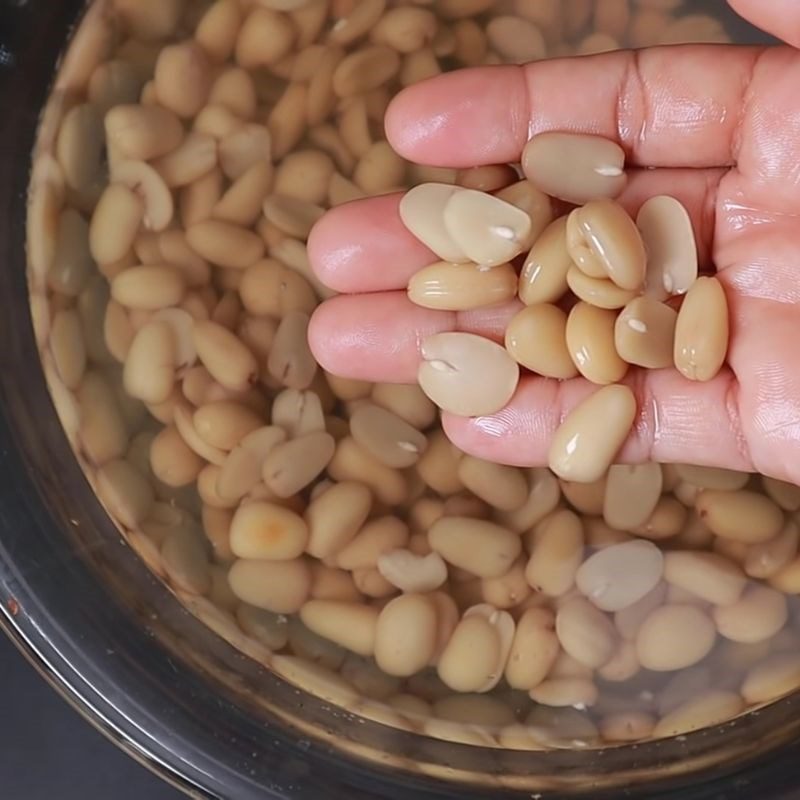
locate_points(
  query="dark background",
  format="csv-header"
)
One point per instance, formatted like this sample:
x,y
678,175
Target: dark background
x,y
48,751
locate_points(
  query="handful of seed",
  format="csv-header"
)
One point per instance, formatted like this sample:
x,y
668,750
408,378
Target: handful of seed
x,y
602,291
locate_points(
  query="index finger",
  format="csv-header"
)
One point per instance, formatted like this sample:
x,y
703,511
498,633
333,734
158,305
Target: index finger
x,y
667,106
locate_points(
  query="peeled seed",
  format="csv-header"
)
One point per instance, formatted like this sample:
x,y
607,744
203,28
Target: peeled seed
x,y
467,374
224,356
387,437
471,656
631,494
413,573
620,575
589,336
405,638
460,287
668,236
701,332
378,536
742,516
115,224
644,333
482,548
353,462
173,462
490,231
149,372
336,517
291,466
583,452
536,339
224,423
264,39
277,586
674,637
143,133
241,470
422,212
574,167
290,360
148,288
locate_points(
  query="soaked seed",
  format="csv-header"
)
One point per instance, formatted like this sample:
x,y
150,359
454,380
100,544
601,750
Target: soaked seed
x,y
769,558
727,480
291,466
674,637
599,292
405,638
627,726
630,619
115,224
701,333
742,516
667,232
225,244
544,275
422,212
597,43
667,520
620,575
335,517
543,498
173,462
504,488
482,548
365,69
266,531
582,452
707,575
509,590
589,335
185,561
694,28
265,37
467,374
786,495
182,78
534,650
631,495
556,554
143,133
224,423
536,339
489,178
277,586
410,572
381,535
770,679
516,40
270,288
125,492
644,333
604,242
224,356
595,166
460,287
488,230
149,372
712,708
471,656
350,625
585,633
68,348
290,360
755,617
148,288
241,471
407,402
386,436
559,692
353,462
298,413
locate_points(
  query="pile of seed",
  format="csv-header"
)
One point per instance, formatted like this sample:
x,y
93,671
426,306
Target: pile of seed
x,y
326,526
600,291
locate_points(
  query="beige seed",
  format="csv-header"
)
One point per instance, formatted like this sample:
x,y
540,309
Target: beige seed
x,y
460,287
365,69
270,288
225,244
405,638
378,536
410,572
711,708
543,497
305,175
125,492
630,619
467,374
267,531
148,288
293,216
438,466
291,466
335,517
667,232
604,242
224,356
387,437
380,169
182,78
620,575
149,372
631,495
115,223
786,495
235,90
143,133
353,462
509,590
627,726
556,554
241,470
674,637
558,692
68,348
489,178
536,339
422,212
597,43
594,166
102,426
298,413
482,548
173,462
707,575
471,656
590,340
243,148
701,333
185,561
504,488
667,520
290,360
585,633
773,678
644,333
757,616
142,179
218,28
516,40
350,625
406,29
534,650
242,203
490,231
599,292
544,275
743,516
224,423
533,202
582,452
727,480
277,586
694,28
264,39
769,558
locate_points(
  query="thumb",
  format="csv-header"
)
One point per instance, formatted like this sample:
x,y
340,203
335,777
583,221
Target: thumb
x,y
781,18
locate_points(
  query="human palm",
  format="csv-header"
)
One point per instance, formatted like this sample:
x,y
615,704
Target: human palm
x,y
716,127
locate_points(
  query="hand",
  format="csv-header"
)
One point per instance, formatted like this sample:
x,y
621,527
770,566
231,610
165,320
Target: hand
x,y
718,128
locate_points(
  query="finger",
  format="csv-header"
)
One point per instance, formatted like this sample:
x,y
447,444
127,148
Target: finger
x,y
778,17
363,246
678,422
378,337
668,107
